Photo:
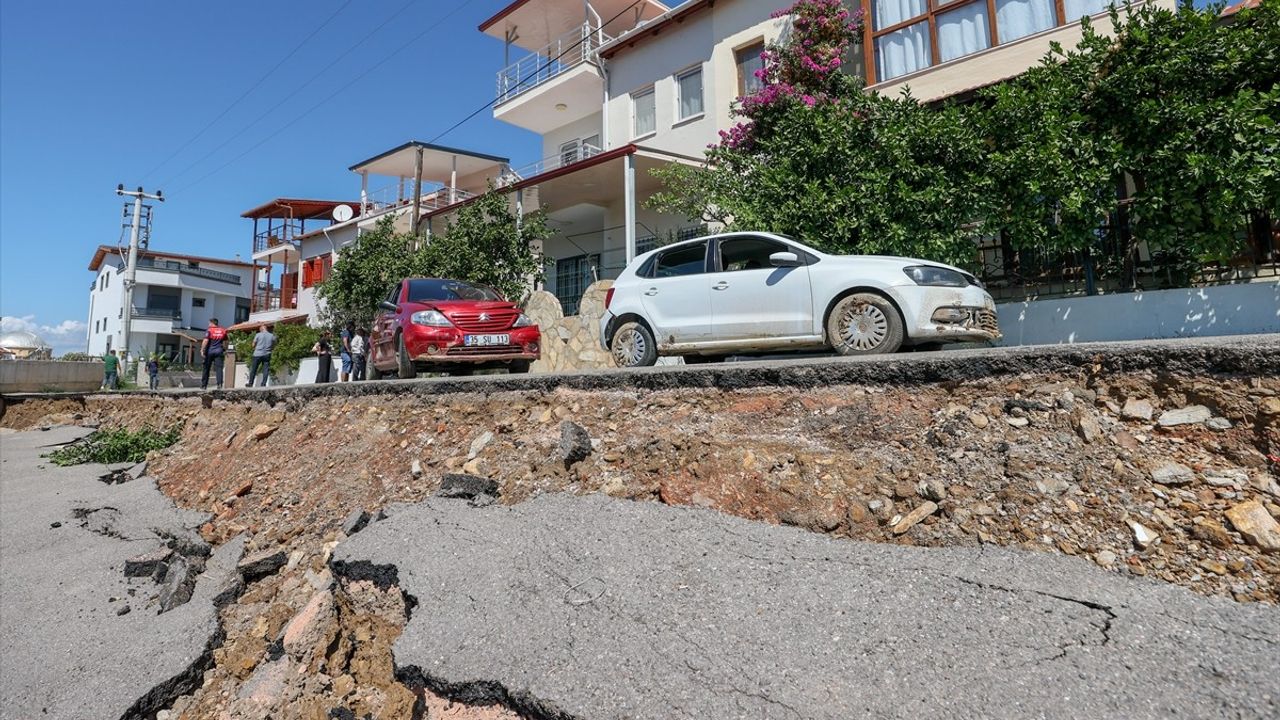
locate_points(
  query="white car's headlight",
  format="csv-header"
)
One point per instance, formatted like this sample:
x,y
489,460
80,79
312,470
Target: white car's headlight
x,y
430,318
523,321
936,276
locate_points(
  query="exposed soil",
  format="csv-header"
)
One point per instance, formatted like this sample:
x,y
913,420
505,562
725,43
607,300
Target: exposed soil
x,y
1050,462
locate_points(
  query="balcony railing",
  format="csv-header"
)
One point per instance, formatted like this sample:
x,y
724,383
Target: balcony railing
x,y
553,162
434,196
187,269
154,313
269,298
566,52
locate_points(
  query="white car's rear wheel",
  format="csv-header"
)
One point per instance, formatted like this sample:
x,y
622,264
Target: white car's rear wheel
x,y
864,324
632,346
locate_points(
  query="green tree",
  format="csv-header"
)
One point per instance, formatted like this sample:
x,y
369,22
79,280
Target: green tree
x,y
487,244
366,270
293,342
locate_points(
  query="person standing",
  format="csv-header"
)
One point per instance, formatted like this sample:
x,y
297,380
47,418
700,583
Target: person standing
x,y
348,332
324,353
110,371
212,349
153,372
263,343
359,353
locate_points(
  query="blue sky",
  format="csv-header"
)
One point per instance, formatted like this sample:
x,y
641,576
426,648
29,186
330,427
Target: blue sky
x,y
93,94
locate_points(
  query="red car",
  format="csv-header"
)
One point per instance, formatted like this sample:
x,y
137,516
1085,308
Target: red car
x,y
433,325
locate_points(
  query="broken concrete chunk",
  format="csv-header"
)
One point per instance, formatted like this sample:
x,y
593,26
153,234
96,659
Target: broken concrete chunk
x,y
1173,474
145,565
355,522
178,583
910,520
138,470
575,442
261,564
1253,521
457,485
1192,414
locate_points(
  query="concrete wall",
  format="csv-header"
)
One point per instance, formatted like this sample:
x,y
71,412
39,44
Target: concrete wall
x,y
49,375
1192,312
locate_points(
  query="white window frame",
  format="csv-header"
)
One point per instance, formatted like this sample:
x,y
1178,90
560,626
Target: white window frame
x,y
703,81
652,92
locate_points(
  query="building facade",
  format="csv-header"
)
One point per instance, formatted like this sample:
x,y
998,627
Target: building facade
x,y
173,300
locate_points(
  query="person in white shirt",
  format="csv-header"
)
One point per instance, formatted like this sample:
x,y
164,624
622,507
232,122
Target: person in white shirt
x,y
359,353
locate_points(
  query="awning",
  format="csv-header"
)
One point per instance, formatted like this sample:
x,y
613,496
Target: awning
x,y
438,162
251,324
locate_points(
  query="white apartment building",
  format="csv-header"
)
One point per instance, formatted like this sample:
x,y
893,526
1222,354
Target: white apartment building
x,y
173,300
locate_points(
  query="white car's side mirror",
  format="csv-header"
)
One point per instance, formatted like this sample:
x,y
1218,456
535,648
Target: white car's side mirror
x,y
784,259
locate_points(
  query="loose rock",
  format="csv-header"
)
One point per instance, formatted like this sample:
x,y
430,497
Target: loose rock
x,y
1173,474
312,629
1253,521
575,443
932,490
1143,536
1137,409
457,485
262,432
178,583
1189,415
910,520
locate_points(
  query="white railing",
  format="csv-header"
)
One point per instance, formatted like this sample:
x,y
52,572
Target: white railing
x,y
568,51
559,160
434,196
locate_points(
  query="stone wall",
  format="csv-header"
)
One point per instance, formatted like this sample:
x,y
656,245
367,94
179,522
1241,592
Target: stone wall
x,y
570,343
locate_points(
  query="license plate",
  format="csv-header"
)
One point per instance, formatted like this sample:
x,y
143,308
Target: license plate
x,y
486,340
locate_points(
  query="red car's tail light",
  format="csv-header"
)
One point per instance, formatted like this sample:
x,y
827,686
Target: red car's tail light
x,y
608,298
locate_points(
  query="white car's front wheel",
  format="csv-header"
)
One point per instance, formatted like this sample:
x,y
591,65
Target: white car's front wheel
x,y
864,324
633,346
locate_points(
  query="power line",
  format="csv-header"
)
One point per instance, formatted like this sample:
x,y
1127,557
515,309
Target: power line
x,y
246,93
531,75
293,94
331,96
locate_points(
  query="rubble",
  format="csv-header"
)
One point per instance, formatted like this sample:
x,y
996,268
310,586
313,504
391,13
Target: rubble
x,y
575,443
145,565
1173,474
179,580
1253,521
355,522
457,485
261,564
1190,415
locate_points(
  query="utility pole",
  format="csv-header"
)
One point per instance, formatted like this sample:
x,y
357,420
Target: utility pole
x,y
131,271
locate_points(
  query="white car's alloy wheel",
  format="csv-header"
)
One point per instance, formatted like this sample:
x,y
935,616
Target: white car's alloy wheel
x,y
632,346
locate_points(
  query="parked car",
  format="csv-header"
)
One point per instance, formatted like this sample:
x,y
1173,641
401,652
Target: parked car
x,y
707,298
437,325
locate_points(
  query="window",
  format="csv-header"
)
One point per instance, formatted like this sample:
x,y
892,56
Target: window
x,y
573,276
910,35
242,311
684,260
644,114
748,253
316,270
689,94
197,302
749,63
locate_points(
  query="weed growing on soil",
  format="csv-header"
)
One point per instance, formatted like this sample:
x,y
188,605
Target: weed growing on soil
x,y
115,446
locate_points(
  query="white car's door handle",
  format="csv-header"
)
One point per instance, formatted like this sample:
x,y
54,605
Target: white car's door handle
x,y
651,291
722,285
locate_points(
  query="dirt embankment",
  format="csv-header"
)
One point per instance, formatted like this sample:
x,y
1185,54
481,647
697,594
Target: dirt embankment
x,y
1154,473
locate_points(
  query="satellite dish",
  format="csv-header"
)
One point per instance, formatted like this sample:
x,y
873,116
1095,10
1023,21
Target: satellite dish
x,y
342,213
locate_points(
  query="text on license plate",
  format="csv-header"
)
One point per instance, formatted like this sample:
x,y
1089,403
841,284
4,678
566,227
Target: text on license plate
x,y
486,340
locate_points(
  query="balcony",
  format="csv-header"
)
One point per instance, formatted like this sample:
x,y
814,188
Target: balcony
x,y
434,197
547,164
555,85
187,269
152,313
267,298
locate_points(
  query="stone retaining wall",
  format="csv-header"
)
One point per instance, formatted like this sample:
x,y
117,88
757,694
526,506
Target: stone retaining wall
x,y
570,343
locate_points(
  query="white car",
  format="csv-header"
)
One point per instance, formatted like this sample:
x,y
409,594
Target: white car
x,y
747,292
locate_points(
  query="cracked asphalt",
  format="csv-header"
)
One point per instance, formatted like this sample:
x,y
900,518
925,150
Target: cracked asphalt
x,y
64,650
589,607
